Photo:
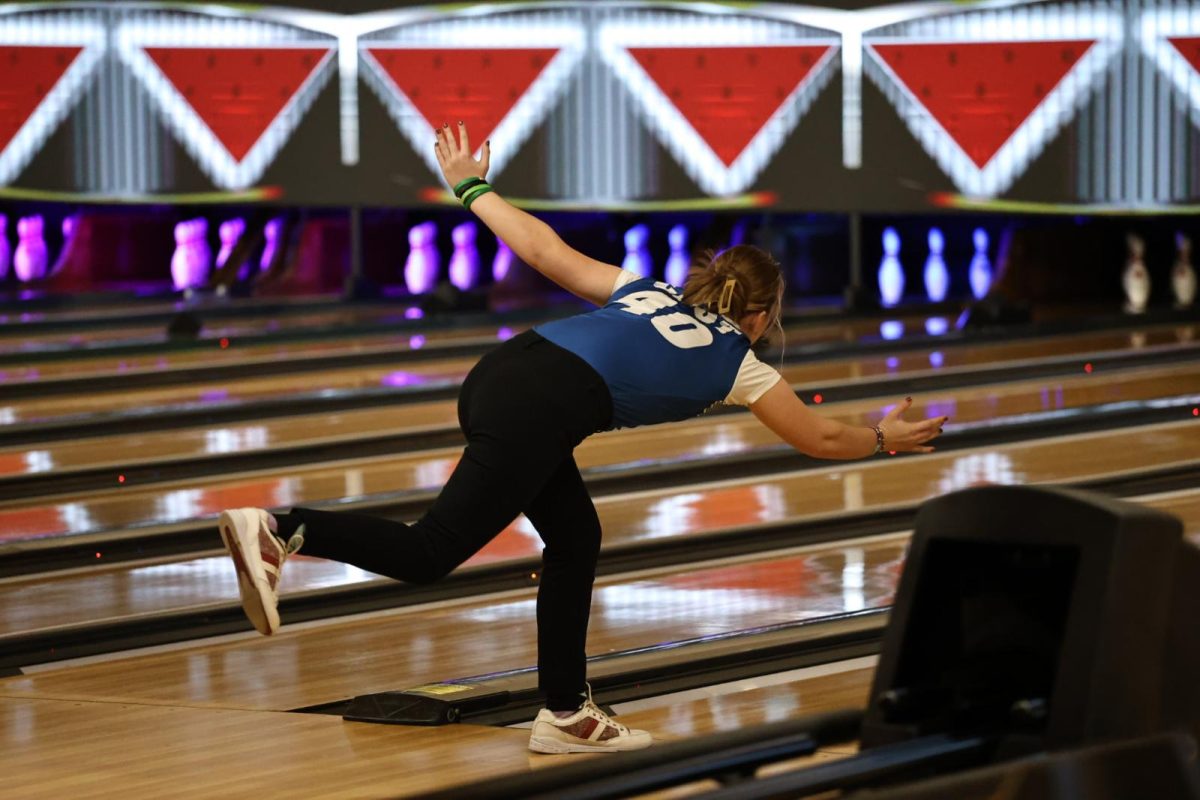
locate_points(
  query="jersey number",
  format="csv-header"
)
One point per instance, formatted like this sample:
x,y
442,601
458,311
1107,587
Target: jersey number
x,y
680,329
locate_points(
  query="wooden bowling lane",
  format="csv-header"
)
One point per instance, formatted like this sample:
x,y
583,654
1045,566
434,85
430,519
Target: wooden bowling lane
x,y
227,351
15,340
136,750
200,721
323,427
214,353
129,506
447,640
201,394
306,665
45,601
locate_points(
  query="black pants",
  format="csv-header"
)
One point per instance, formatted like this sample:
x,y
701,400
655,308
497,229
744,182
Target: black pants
x,y
523,408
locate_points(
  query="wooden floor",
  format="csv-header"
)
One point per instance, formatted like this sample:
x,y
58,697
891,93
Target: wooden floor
x,y
214,717
385,341
195,714
451,372
126,505
127,589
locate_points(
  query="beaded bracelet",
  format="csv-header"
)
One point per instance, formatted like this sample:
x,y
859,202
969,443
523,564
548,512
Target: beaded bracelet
x,y
880,444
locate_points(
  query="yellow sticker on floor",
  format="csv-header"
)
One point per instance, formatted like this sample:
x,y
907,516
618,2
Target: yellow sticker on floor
x,y
444,688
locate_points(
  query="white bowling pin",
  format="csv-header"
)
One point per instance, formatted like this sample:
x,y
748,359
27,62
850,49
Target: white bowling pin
x,y
937,278
464,261
678,262
1136,278
980,271
891,273
1183,275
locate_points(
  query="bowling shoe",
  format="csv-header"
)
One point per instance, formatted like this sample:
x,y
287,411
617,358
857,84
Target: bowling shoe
x,y
258,557
588,730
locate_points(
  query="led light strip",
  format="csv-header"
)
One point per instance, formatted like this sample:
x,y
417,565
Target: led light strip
x,y
670,126
197,137
1031,137
522,118
61,29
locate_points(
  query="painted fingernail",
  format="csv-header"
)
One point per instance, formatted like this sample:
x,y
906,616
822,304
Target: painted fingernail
x,y
908,399
445,124
460,122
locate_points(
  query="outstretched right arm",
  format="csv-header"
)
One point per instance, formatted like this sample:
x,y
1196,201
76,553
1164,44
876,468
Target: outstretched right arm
x,y
532,240
821,437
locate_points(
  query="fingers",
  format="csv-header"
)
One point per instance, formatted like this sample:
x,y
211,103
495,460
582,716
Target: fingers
x,y
464,141
899,408
487,157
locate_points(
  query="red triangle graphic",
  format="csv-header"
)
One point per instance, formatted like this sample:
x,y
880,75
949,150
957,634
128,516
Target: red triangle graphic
x,y
981,93
1189,48
237,91
728,93
477,86
27,74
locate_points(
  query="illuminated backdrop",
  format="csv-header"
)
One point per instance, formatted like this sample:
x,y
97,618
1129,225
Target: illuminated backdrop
x,y
608,104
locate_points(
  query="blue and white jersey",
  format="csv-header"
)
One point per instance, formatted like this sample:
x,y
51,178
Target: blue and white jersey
x,y
662,359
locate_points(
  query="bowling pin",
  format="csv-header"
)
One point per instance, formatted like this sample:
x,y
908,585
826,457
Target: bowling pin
x,y
464,261
423,263
29,262
980,271
179,258
5,248
637,254
937,279
891,273
273,231
1183,275
1136,278
678,262
230,231
202,255
502,263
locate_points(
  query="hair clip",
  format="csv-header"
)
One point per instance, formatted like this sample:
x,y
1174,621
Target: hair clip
x,y
726,301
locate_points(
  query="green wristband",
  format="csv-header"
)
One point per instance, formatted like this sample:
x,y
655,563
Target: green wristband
x,y
474,195
466,183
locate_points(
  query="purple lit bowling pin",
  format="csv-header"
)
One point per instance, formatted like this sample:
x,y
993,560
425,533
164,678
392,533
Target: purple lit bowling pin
x,y
273,232
230,231
677,262
423,262
980,271
502,263
31,256
891,274
201,252
637,254
179,258
937,277
464,263
5,248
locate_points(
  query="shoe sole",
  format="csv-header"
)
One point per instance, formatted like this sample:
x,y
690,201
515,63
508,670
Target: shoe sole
x,y
540,744
239,532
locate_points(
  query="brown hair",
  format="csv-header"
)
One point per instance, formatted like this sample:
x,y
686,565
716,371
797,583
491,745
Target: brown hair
x,y
735,282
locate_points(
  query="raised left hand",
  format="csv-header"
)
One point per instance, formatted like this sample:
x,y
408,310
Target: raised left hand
x,y
454,155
